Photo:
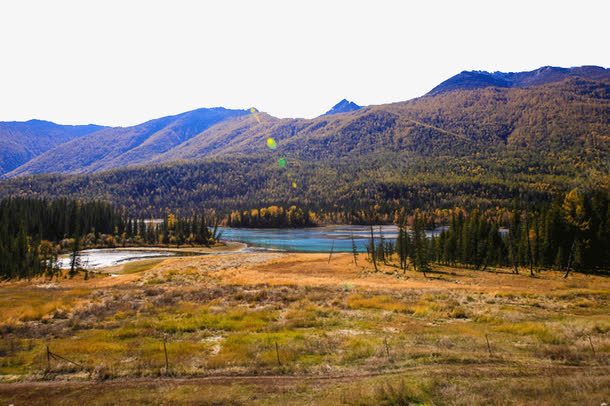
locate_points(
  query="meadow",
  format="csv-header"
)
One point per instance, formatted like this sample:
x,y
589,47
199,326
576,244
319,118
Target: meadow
x,y
268,328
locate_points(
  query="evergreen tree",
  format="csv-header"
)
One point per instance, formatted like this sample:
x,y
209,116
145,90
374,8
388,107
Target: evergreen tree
x,y
402,247
75,258
420,257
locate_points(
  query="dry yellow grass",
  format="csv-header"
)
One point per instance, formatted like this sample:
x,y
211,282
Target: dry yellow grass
x,y
314,270
329,333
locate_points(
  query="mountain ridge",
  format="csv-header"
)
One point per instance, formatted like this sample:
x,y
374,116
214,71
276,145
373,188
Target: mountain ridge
x,y
21,141
471,118
546,74
123,146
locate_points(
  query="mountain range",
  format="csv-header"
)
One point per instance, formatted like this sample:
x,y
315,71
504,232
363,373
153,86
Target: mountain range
x,y
544,127
114,147
22,141
41,147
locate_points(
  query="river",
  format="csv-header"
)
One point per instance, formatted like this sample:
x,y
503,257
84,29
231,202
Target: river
x,y
337,238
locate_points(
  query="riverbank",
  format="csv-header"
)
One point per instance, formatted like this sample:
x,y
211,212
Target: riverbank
x,y
105,259
225,246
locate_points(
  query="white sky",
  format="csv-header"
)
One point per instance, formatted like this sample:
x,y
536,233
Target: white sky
x,y
124,62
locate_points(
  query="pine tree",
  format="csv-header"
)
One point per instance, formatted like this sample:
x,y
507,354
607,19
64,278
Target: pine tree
x,y
402,247
420,246
75,259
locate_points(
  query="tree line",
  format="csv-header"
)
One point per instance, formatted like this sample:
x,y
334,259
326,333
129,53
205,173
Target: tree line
x,y
272,217
569,234
35,232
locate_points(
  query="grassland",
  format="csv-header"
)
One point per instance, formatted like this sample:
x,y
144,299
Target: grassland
x,y
268,328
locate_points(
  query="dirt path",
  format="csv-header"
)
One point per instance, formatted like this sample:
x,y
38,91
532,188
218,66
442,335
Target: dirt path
x,y
491,368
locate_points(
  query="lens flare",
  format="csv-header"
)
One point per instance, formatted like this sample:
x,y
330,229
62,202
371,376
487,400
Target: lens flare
x,y
294,185
282,162
271,143
254,112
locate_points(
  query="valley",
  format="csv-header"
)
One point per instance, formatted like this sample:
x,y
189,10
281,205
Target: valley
x,y
448,249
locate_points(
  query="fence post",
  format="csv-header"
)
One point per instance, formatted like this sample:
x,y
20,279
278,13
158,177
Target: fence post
x,y
277,353
488,346
166,359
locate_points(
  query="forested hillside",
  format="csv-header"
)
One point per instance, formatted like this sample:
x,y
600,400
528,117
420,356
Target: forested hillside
x,y
387,179
23,141
467,148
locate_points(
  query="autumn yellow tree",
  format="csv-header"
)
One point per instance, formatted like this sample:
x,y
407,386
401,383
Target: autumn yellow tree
x,y
575,215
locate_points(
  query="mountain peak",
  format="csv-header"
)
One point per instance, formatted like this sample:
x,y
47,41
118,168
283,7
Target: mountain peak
x,y
344,106
547,74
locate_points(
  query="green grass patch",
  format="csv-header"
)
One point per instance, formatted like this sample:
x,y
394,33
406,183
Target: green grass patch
x,y
380,302
207,318
538,330
140,266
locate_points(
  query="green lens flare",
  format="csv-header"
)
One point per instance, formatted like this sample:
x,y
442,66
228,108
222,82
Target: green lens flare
x,y
271,143
282,162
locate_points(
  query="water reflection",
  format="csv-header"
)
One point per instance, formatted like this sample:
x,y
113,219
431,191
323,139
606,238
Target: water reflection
x,y
316,239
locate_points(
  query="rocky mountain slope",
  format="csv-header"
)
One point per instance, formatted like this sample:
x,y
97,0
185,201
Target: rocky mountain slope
x,y
116,147
22,141
541,76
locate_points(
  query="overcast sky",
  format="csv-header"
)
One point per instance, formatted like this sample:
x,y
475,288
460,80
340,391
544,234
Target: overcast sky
x,y
124,62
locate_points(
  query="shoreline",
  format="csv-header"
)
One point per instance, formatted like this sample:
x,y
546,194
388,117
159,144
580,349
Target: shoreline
x,y
228,246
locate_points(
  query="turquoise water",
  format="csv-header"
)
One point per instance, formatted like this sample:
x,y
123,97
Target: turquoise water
x,y
316,239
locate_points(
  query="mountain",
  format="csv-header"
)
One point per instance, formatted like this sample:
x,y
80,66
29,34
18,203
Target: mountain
x,y
344,106
22,141
482,110
541,76
123,146
452,123
466,147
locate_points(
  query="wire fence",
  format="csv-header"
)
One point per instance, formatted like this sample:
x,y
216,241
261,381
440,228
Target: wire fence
x,y
386,350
